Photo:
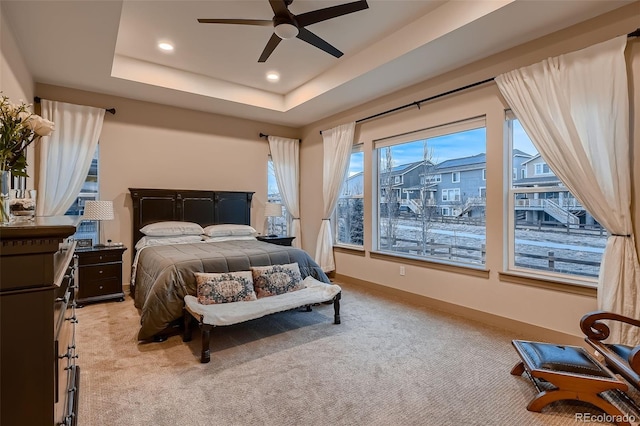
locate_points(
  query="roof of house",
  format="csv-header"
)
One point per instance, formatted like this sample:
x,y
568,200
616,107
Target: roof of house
x,y
474,160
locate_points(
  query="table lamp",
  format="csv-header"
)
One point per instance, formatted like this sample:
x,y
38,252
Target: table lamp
x,y
272,210
98,211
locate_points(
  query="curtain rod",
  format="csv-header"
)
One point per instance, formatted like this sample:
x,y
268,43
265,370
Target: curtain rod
x,y
635,33
262,135
37,100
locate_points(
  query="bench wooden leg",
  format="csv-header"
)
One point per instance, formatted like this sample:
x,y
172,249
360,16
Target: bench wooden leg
x,y
188,320
336,308
205,356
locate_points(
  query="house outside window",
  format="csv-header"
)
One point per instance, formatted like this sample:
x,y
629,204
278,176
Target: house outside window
x,y
280,224
424,216
348,218
88,229
551,234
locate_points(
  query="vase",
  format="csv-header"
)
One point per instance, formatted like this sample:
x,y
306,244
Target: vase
x,y
5,188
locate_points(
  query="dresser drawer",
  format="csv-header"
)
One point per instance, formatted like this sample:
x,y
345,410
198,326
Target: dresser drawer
x,y
104,256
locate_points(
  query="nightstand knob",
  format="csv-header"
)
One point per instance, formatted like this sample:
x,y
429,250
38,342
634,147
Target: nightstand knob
x,y
101,287
100,271
100,257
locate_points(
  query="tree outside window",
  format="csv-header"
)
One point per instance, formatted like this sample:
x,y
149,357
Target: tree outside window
x,y
349,214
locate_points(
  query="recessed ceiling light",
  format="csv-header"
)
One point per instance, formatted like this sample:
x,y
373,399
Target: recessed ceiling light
x,y
167,47
273,76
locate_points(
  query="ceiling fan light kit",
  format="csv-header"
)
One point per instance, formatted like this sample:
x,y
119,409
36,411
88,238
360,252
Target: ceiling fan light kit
x,y
286,25
286,31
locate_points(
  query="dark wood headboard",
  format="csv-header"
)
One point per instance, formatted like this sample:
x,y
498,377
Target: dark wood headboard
x,y
203,207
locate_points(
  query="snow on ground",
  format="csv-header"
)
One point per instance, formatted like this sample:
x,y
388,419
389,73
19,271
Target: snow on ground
x,y
579,245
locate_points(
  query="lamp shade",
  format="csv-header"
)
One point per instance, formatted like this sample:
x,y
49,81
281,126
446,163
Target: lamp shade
x,y
273,210
98,210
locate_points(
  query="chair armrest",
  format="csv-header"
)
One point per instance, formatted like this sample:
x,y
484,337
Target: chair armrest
x,y
593,328
634,359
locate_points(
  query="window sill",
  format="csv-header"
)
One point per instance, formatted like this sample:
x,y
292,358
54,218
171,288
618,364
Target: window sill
x,y
580,288
425,263
349,249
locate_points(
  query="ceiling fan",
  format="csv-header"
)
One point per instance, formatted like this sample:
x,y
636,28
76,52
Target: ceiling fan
x,y
287,25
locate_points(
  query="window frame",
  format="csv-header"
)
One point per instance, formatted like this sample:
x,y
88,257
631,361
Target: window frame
x,y
509,266
356,148
450,128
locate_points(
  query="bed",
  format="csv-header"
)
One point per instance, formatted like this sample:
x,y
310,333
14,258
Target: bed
x,y
164,274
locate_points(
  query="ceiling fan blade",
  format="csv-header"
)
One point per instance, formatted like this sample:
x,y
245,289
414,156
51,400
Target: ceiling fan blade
x,y
316,41
320,15
268,49
279,7
260,22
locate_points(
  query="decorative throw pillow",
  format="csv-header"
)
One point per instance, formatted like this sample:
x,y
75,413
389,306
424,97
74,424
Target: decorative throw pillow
x,y
224,287
276,279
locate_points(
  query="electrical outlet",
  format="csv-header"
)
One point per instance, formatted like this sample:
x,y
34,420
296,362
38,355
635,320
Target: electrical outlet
x,y
402,270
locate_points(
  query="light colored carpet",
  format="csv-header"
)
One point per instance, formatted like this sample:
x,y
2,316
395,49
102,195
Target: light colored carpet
x,y
388,363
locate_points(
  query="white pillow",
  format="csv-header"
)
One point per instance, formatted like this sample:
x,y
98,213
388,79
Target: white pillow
x,y
228,238
160,241
171,228
226,230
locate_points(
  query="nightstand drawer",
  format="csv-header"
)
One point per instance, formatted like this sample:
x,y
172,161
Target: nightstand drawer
x,y
99,287
104,256
99,272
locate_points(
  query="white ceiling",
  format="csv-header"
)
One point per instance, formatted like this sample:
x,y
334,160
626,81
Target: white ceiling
x,y
111,47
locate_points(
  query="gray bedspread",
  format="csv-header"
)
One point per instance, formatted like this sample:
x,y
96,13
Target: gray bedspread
x,y
164,274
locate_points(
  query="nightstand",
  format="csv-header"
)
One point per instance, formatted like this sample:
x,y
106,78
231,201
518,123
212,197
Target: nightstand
x,y
281,241
99,274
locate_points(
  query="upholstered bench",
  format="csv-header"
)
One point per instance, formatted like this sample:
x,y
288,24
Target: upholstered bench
x,y
221,314
573,372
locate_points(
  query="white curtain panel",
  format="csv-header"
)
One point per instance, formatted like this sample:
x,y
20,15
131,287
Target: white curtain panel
x,y
65,156
575,109
285,154
337,145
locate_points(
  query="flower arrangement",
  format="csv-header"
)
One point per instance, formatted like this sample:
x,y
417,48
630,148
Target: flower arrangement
x,y
19,128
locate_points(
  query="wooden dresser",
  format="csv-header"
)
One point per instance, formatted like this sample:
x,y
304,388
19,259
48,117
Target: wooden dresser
x,y
39,377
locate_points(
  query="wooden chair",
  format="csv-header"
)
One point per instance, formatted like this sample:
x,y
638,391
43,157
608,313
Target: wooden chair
x,y
622,359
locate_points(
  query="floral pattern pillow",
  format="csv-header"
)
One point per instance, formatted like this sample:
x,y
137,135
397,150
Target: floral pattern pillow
x,y
276,279
224,287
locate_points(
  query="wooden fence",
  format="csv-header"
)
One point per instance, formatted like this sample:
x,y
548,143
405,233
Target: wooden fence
x,y
477,255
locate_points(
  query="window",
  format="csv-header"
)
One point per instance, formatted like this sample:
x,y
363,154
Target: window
x,y
550,233
88,229
279,225
349,214
426,216
542,169
484,174
451,194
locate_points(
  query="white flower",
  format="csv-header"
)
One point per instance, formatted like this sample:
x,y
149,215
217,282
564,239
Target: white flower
x,y
40,126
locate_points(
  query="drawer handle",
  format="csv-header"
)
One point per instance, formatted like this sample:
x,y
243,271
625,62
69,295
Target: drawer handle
x,y
101,287
73,319
101,271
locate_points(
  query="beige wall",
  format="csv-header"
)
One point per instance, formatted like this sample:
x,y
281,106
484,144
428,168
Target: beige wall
x,y
551,309
16,81
146,145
